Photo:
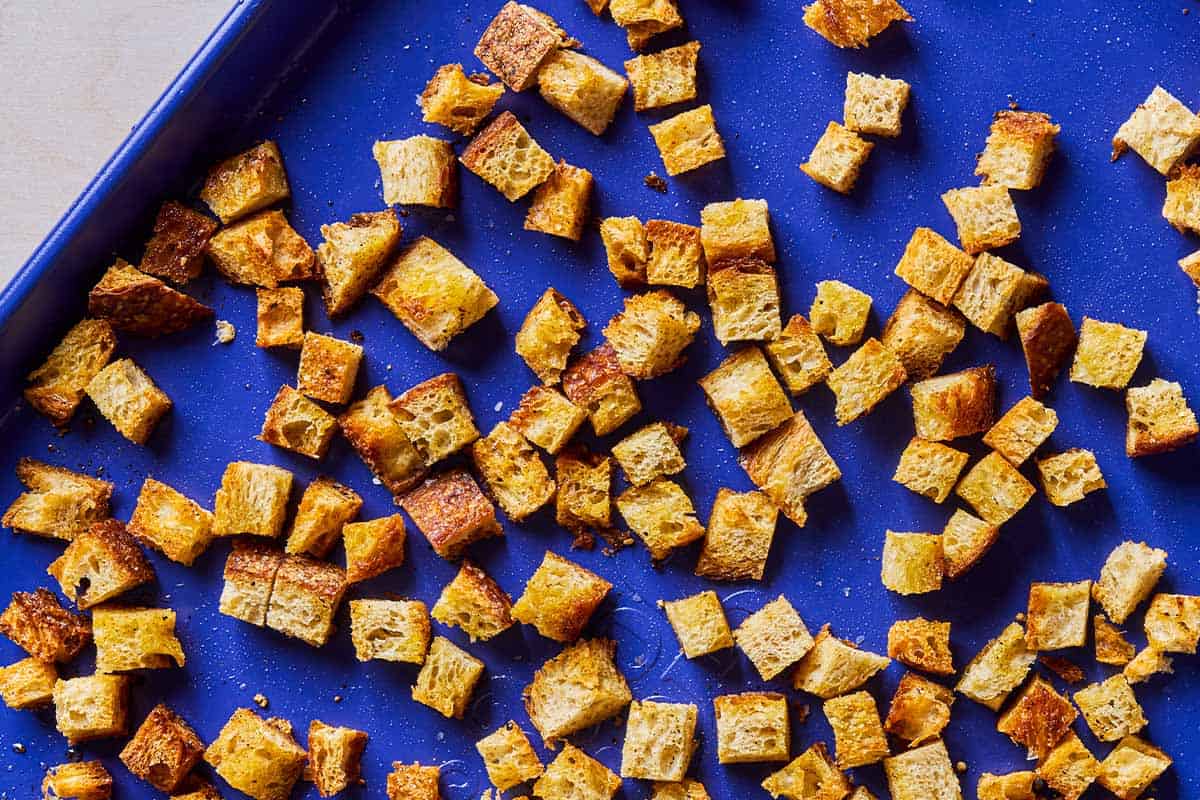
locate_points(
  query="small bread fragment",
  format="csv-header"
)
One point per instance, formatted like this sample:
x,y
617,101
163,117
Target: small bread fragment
x,y
100,564
575,774
1107,355
864,379
516,42
921,644
662,515
965,540
1048,340
998,668
92,707
506,156
413,782
930,468
256,756
923,773
699,623
808,776
933,266
664,78
1111,645
839,312
752,727
390,630
447,678
28,683
1132,767
512,471
922,332
1110,709
584,498
163,750
137,303
745,396
912,562
789,464
837,157
857,730
560,205
650,334
1148,662
874,104
1070,768
475,603
249,576
1038,718
1018,149
676,254
995,489
1172,622
280,317
835,667
375,433
304,599
1021,430
1127,578
129,399
582,88
1162,130
508,756
550,331
659,740
246,182
576,689
985,216
296,423
798,356
1191,267
373,547
1067,477
262,250
352,255
457,102
78,780
920,710
688,140
651,452
595,383
60,504
559,598
451,511
56,388
129,637
436,417
325,507
334,757
993,291
252,499
1160,419
743,295
738,540
773,638
176,249
853,23
952,406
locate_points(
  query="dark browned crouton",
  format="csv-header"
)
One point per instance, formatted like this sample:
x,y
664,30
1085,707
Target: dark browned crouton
x,y
451,511
101,563
56,388
163,751
43,628
176,250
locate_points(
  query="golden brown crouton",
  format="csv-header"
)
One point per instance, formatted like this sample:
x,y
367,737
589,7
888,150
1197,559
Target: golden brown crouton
x,y
743,294
456,101
280,317
60,504
516,42
773,638
650,334
1182,206
99,564
40,626
643,19
374,431
1068,477
1162,130
334,757
163,750
985,216
1160,419
626,249
512,471
864,379
857,730
390,630
933,266
176,250
752,726
809,776
575,774
328,368
1111,645
56,388
1021,430
1172,622
661,514
129,638
920,710
584,498
1069,769
447,678
252,499
853,23
1018,149
92,707
419,170
798,356
1127,578
676,254
686,789
1131,767
651,452
582,88
304,599
436,417
921,644
249,577
1058,614
325,507
1048,340
997,669
559,598
1110,709
688,140
560,205
912,562
77,780
451,512
951,406
745,396
296,423
137,303
736,229
1038,719
256,756
699,623
874,105
413,782
789,464
929,468
352,255
246,182
262,250
475,603
373,547
664,78
578,688
992,292
194,788
834,667
740,529
839,312
550,330
128,399
837,157
506,156
508,756
924,773
922,332
995,489
28,683
965,540
595,383
659,740
1107,355
1012,786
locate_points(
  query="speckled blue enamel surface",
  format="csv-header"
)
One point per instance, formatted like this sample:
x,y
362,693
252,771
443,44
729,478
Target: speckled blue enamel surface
x,y
327,80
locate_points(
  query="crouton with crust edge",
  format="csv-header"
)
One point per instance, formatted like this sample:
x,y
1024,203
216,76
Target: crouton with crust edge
x,y
175,251
506,156
1038,719
137,303
1160,419
451,511
798,356
457,102
997,669
56,388
789,464
163,750
578,688
1018,149
474,602
1048,340
835,666
246,182
559,598
352,255
38,624
595,383
965,540
952,406
101,563
60,504
515,43
334,757
864,379
853,23
560,205
1162,130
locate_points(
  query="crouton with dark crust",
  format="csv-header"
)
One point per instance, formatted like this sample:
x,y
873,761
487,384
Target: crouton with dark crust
x,y
1018,149
375,433
249,578
516,42
1048,340
595,383
451,511
137,303
176,250
56,388
60,504
246,182
163,750
40,626
788,464
506,156
922,644
101,563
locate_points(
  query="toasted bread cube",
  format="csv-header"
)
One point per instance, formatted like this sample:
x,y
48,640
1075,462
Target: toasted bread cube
x,y
1111,645
1058,614
1172,622
560,205
390,630
664,78
874,105
857,730
736,229
128,399
1147,663
995,489
245,183
419,170
56,388
1067,477
372,428
130,638
643,19
1110,709
1012,786
576,689
176,250
252,499
515,44
550,330
952,406
457,102
798,356
688,140
1127,578
752,726
912,562
676,254
863,380
559,598
582,88
40,626
1038,719
596,384
328,368
686,789
91,707
334,757
305,598
933,266
965,540
699,623
853,23
1162,130
922,332
1048,340
1131,767
141,304
413,782
373,547
812,775
296,423
998,668
650,334
985,216
60,504
929,468
352,255
325,507
99,564
475,603
508,756
837,157
788,464
651,452
451,511
506,156
435,295
170,523
436,417
447,678
626,248
920,710
745,396
280,317
1191,267
78,780
924,773
1019,146
659,740
163,750
256,756
834,667
743,294
773,638
991,293
512,471
1160,419
28,683
1021,430
584,493
1107,355
194,788
740,529
262,250
839,312
661,514
921,644
1069,769
575,774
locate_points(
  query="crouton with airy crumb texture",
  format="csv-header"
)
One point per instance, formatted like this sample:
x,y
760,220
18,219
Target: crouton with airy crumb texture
x,y
1127,578
985,216
560,205
328,368
583,89
1068,477
246,182
512,471
650,334
419,170
447,678
92,707
965,540
912,562
920,710
413,782
559,598
661,514
280,317
576,775
923,773
256,756
1132,767
584,497
773,638
921,644
249,577
676,254
688,140
334,757
77,780
1021,430
864,379
736,229
874,105
373,547
60,504
1162,130
798,356
952,406
626,249
28,683
1058,614
839,312
38,624
1107,355
998,668
933,266
475,603
451,511
1011,786
550,331
1110,709
262,250
129,637
1019,146
56,388
389,630
99,564
751,727
296,423
576,689
645,18
435,295
304,599
595,383
853,23
992,292
1111,645
1172,622
325,507
995,489
375,433
163,750
1070,768
738,540
1160,419
506,156
812,775
659,740
651,452
857,730
137,303
686,789
436,417
252,499
176,249
508,756
788,464
1038,719
922,332
745,396
664,78
457,102
516,42
699,623
837,157
835,666
128,399
929,468
352,255
743,294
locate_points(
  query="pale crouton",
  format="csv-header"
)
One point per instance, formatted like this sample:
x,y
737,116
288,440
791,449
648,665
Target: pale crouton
x,y
373,547
1147,663
995,489
676,254
413,782
1038,718
1021,430
584,498
176,249
837,157
920,710
435,295
699,623
1162,130
740,530
835,667
1067,477
262,250
280,317
1191,267
128,399
92,707
997,669
789,464
736,229
985,216
249,577
924,773
659,740
595,383
798,356
921,644
77,780
389,630
508,756
325,507
436,417
256,756
512,471
304,599
1131,767
1070,768
559,598
352,255
1107,355
451,511
1110,709
853,23
650,334
447,678
809,776
56,388
328,368
457,102
864,379
1160,419
912,562
993,291
839,312
773,638
952,406
626,249
965,540
1048,340
752,726
578,688
575,774
1127,578
252,499
506,156
163,750
929,468
60,504
651,452
28,683
296,423
246,182
661,514
664,78
516,42
874,105
135,638
688,140
560,205
550,330
1018,149
419,170
743,295
1111,645
1172,622
100,564
857,730
1011,786
137,303
1058,614
582,88
375,433
745,396
334,757
475,603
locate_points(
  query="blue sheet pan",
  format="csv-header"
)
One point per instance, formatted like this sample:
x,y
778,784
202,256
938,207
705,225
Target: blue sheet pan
x,y
327,80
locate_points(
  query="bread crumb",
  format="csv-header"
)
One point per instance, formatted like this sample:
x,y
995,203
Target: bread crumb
x,y
960,766
225,332
655,182
261,700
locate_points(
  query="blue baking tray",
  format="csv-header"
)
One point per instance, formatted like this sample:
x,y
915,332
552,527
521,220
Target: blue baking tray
x,y
326,80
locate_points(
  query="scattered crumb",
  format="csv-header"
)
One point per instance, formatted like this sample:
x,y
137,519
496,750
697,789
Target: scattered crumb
x,y
802,712
337,698
479,77
1063,668
225,332
653,181
499,405
960,766
1020,616
18,748
356,336
261,700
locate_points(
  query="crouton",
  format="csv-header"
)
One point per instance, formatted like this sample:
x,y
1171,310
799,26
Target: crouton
x,y
661,514
436,417
1162,130
578,688
651,452
595,383
389,630
699,623
1019,146
929,468
992,292
809,776
475,603
922,332
864,379
60,504
1191,267
435,295
837,157
56,388
1172,622
952,406
418,170
912,562
1012,786
686,789
137,303
334,757
352,255
280,318
304,599
325,507
788,464
516,42
834,667
246,182
1148,662
550,330
853,23
998,668
163,750
252,499
933,266
743,295
1131,767
857,730
745,396
91,707
256,756
664,78
1111,645
773,638
921,644
1070,768
575,774
506,156
839,312
413,782
262,250
40,626
128,399
1048,341
752,726
874,105
923,773
995,489
560,205
447,678
374,431
559,598
328,368
176,249
296,423
1067,477
99,564
676,254
130,638
77,780
451,511
508,756
1127,578
1107,355
28,683
643,19
512,471
1058,614
650,334
736,229
1038,719
1021,430
249,577
373,547
582,88
1160,419
659,740
798,356
740,529
626,249
985,216
584,493
1110,709
457,102
688,140
965,540
920,710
